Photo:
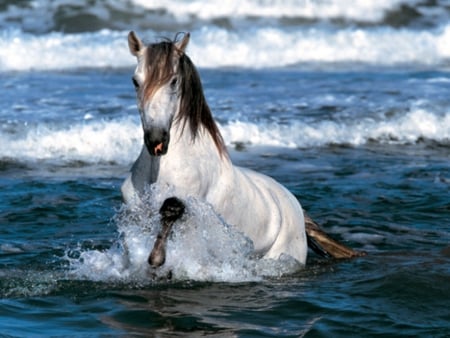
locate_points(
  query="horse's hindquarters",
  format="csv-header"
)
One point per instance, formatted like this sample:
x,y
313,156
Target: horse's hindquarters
x,y
267,213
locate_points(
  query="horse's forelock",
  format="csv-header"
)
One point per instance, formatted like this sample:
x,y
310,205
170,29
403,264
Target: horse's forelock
x,y
158,67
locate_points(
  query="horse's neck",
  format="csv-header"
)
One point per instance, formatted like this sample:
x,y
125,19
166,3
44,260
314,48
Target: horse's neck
x,y
145,170
185,149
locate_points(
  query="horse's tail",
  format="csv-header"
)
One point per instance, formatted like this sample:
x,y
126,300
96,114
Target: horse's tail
x,y
324,245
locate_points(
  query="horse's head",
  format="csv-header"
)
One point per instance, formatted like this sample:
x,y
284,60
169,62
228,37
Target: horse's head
x,y
169,91
157,81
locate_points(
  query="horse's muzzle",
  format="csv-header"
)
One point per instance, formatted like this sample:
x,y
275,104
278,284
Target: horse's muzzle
x,y
157,141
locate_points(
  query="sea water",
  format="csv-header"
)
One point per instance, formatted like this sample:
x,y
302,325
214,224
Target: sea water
x,y
346,103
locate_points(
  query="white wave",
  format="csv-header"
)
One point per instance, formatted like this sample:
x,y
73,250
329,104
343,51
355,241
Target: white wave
x,y
21,51
216,47
361,10
202,248
119,141
116,141
408,128
271,47
55,15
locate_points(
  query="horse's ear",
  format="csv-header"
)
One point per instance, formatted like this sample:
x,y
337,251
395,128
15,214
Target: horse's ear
x,y
181,44
135,44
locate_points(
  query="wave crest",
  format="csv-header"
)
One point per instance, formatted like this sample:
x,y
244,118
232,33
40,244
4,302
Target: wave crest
x,y
119,141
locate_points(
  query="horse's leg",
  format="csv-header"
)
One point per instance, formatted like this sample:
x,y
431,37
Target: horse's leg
x,y
171,210
324,245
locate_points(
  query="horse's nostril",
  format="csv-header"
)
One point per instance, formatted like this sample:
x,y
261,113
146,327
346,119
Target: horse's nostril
x,y
159,149
156,140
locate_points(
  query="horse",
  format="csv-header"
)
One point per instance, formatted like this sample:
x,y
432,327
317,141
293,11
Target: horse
x,y
184,149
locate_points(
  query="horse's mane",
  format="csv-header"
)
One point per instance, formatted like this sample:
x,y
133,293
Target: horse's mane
x,y
194,110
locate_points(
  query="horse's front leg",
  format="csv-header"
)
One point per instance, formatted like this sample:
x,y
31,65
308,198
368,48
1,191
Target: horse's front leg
x,y
171,211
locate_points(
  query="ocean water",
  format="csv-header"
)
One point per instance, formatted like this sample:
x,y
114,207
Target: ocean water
x,y
347,103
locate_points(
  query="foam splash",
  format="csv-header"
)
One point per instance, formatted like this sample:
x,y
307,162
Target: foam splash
x,y
202,247
28,282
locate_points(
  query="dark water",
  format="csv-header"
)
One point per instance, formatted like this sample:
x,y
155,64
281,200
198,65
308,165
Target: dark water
x,y
387,197
347,105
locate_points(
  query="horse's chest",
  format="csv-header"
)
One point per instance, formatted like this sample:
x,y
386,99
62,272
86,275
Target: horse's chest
x,y
187,180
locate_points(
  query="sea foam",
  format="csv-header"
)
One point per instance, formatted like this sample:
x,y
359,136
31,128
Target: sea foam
x,y
410,127
213,47
119,141
361,10
202,247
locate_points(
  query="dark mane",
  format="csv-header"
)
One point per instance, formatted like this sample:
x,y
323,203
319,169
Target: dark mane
x,y
194,110
159,68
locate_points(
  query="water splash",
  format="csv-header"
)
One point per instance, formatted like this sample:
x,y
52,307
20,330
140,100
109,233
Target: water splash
x,y
202,247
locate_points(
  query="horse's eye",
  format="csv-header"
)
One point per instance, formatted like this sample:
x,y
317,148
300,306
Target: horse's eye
x,y
135,83
173,83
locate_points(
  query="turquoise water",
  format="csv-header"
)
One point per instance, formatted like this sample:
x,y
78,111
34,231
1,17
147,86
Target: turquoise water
x,y
389,198
350,110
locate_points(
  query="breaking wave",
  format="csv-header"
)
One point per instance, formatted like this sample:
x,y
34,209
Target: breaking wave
x,y
217,47
43,35
119,141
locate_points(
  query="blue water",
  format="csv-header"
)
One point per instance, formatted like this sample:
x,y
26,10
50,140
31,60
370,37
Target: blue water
x,y
364,145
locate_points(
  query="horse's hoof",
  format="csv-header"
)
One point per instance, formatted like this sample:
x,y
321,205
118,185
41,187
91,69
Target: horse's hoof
x,y
172,209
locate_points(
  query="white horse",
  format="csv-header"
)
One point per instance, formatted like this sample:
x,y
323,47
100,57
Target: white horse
x,y
184,149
